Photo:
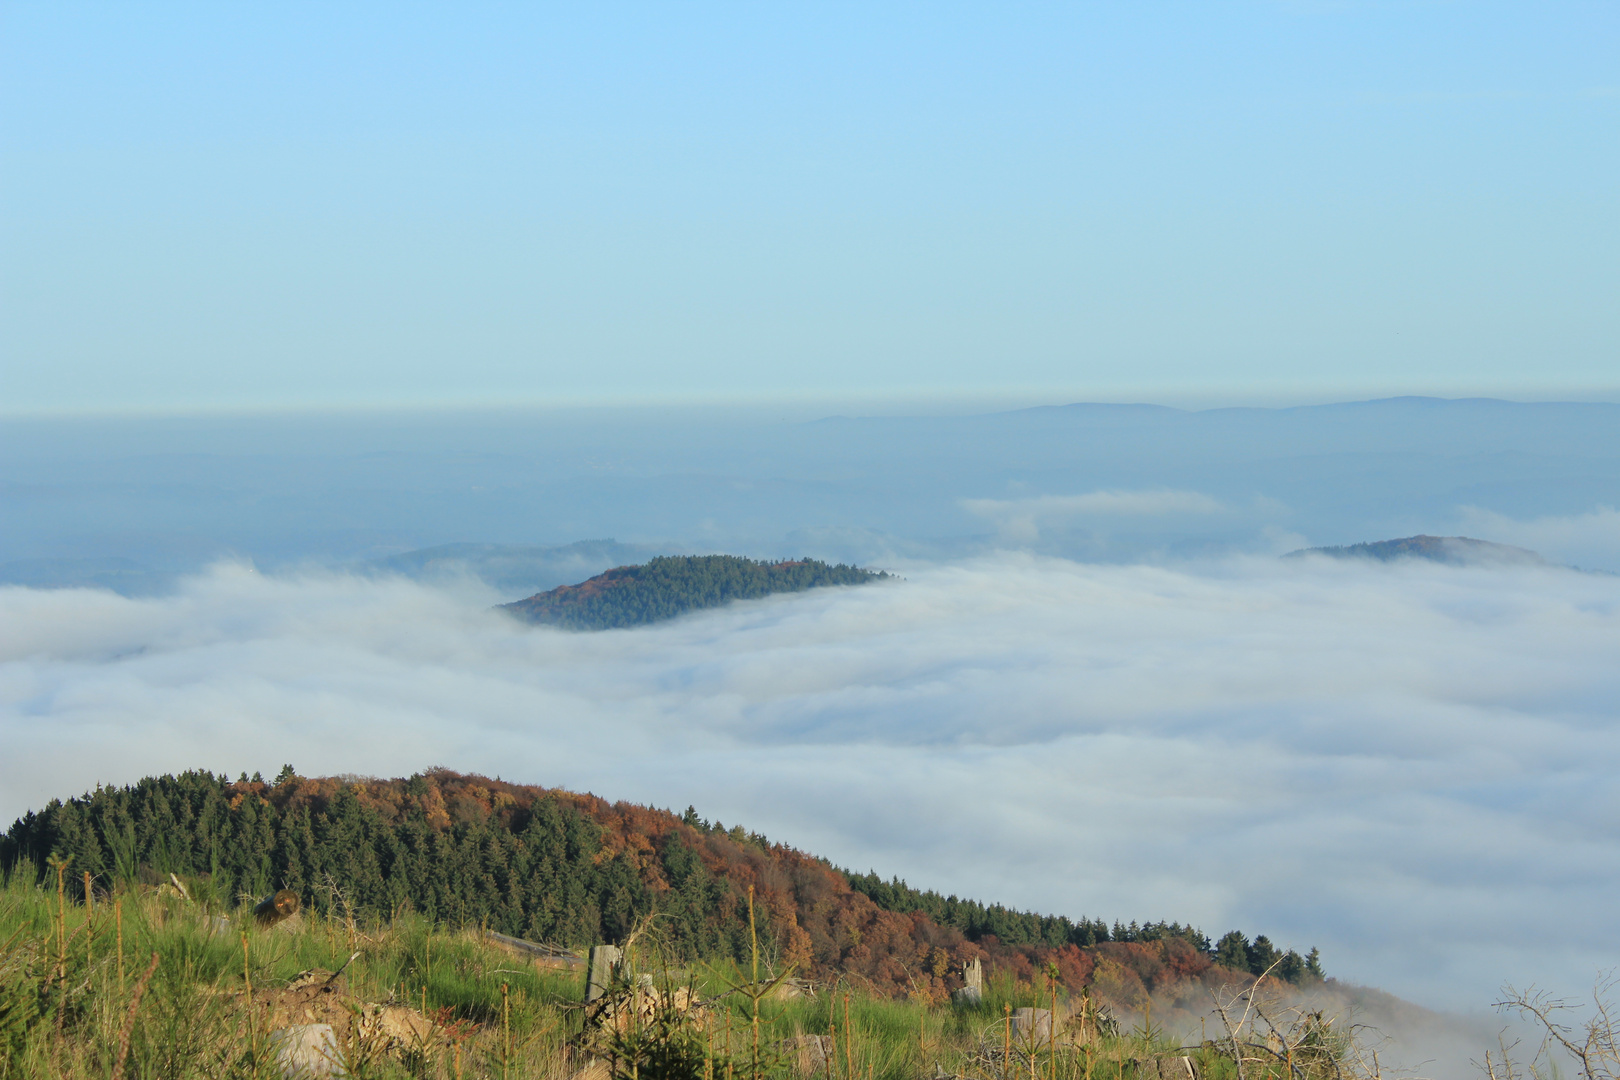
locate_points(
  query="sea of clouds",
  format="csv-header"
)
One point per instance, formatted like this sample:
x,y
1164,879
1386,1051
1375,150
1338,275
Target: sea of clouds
x,y
1410,766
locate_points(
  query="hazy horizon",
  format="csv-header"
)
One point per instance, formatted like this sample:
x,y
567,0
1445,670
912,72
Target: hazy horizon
x,y
1096,482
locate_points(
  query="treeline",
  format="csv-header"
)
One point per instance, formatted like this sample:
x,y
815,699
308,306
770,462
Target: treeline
x,y
672,585
979,921
574,870
534,872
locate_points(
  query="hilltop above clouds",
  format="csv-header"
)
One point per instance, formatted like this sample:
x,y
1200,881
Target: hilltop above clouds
x,y
1453,550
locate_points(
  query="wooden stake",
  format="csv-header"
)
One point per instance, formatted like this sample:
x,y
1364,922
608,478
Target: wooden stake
x,y
89,898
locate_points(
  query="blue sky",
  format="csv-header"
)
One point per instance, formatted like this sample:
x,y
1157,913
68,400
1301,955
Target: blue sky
x,y
256,206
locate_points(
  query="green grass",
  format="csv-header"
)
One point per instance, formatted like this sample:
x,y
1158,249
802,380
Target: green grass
x,y
63,1011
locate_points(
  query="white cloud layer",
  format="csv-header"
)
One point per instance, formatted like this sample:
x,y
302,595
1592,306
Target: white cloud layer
x,y
1410,766
1590,540
1022,519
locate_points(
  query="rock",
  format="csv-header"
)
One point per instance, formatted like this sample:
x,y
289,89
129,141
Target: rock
x,y
625,1008
306,1052
395,1027
308,985
807,1054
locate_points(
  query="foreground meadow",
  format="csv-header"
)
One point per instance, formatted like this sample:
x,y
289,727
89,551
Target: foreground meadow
x,y
151,982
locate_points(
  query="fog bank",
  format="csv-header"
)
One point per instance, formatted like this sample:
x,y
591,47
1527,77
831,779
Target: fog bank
x,y
1408,766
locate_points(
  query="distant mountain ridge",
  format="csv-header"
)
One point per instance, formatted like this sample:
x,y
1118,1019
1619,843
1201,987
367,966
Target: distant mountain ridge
x,y
1452,550
672,585
325,492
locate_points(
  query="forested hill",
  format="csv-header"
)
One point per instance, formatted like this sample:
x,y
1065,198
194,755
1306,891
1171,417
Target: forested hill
x,y
570,869
672,585
1455,550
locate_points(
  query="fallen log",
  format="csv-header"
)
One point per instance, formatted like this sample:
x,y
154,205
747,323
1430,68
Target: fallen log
x,y
552,955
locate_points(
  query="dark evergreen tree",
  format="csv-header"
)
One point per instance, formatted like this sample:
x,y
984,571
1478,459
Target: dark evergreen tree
x,y
1262,954
1233,951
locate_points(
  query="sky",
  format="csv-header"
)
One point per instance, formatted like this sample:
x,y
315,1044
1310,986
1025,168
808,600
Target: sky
x,y
260,206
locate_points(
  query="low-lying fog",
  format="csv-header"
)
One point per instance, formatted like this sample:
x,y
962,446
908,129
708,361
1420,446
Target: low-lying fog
x,y
1410,766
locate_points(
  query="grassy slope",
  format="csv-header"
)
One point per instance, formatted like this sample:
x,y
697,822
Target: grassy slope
x,y
495,1013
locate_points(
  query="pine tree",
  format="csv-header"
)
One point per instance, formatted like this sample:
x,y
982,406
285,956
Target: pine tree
x,y
1233,951
1262,954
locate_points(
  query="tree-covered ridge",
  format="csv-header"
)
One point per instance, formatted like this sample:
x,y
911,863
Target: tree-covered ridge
x,y
1454,550
555,866
979,921
672,585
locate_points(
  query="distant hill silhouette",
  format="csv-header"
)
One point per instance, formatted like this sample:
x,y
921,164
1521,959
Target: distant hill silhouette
x,y
672,585
1454,550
